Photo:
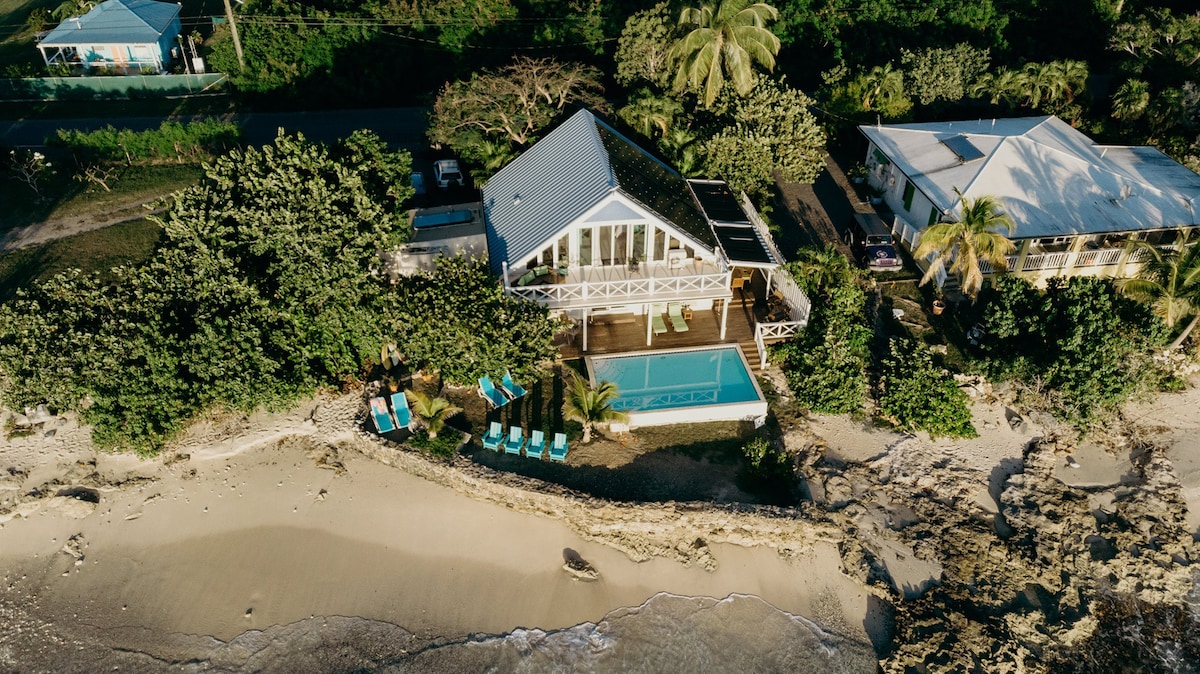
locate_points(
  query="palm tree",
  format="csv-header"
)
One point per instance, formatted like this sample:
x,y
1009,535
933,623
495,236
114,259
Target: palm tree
x,y
590,406
433,412
1003,85
647,113
880,85
1170,281
1131,100
981,233
724,41
815,269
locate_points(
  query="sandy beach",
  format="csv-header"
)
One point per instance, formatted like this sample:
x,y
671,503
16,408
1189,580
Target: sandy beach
x,y
244,530
246,524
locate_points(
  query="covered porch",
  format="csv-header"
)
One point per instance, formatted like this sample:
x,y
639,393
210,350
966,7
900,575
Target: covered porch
x,y
763,307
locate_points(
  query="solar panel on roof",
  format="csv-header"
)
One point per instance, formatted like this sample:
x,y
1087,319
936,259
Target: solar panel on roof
x,y
962,147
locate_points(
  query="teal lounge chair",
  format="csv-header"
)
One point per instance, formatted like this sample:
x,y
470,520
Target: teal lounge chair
x,y
537,445
512,388
494,437
516,438
490,393
400,407
383,418
675,311
558,450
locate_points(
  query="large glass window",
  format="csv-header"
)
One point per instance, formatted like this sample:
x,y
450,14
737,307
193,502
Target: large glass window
x,y
639,242
660,244
564,246
621,244
584,251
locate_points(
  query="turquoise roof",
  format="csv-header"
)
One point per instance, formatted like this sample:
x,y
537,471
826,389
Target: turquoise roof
x,y
116,22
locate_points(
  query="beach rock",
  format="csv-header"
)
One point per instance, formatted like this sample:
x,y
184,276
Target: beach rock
x,y
581,570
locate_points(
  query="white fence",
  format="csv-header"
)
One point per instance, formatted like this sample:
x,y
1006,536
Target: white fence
x,y
763,231
799,307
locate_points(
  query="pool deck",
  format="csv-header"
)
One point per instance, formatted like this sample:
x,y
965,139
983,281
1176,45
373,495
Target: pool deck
x,y
626,332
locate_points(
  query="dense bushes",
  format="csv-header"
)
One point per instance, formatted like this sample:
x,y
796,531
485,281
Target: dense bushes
x,y
917,396
459,322
193,142
826,364
1079,342
260,293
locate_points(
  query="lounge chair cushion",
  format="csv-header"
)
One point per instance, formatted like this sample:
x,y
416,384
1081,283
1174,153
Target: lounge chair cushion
x,y
526,278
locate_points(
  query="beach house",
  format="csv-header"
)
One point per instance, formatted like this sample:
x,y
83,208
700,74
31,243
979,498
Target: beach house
x,y
128,35
597,229
1076,203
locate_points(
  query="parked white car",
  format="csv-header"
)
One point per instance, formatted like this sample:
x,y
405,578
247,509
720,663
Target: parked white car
x,y
446,173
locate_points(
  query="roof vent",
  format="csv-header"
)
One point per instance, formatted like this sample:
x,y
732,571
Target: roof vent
x,y
962,148
516,200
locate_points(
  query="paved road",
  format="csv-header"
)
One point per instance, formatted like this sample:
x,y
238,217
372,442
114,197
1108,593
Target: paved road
x,y
402,127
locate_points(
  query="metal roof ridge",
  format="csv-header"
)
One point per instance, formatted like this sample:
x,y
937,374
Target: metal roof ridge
x,y
1099,165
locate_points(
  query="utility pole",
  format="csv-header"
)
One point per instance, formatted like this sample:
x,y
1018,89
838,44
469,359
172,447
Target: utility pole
x,y
237,43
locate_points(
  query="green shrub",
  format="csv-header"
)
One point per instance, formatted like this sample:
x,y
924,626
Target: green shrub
x,y
826,365
1087,345
444,445
190,143
918,396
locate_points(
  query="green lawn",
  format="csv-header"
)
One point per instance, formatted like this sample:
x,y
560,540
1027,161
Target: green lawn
x,y
69,198
99,250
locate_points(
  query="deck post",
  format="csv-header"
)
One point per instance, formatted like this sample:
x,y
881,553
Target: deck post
x,y
585,323
649,323
724,316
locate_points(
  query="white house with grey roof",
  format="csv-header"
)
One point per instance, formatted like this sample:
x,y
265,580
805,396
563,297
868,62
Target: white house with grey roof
x,y
587,223
124,34
1075,202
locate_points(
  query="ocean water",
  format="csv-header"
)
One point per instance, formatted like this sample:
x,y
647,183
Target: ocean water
x,y
668,633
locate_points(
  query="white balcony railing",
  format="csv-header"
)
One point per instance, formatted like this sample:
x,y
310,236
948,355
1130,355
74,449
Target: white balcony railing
x,y
650,282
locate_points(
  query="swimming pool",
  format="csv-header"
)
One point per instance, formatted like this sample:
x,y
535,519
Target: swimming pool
x,y
444,218
681,385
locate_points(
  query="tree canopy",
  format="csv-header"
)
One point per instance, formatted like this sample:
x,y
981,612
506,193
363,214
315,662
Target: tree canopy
x,y
260,292
723,42
511,105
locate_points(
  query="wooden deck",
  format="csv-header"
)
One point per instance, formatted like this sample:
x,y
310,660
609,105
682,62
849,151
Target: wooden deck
x,y
627,332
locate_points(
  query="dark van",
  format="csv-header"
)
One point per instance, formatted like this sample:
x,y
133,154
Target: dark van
x,y
871,241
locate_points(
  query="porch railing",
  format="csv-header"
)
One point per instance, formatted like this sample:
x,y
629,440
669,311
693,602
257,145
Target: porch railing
x,y
638,290
799,307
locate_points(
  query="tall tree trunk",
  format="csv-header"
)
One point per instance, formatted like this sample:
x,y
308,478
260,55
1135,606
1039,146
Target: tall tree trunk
x,y
1183,335
587,433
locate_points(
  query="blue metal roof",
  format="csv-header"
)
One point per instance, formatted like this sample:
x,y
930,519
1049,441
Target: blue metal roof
x,y
571,170
116,22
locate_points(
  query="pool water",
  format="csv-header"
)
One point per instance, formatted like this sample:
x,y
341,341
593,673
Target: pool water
x,y
662,380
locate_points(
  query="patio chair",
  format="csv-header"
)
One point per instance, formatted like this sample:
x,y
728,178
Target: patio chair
x,y
537,444
675,311
514,441
383,418
512,388
558,450
660,326
495,435
400,407
490,393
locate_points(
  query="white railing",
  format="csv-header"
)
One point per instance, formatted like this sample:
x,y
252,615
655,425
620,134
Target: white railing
x,y
907,234
665,400
763,231
799,307
986,267
638,290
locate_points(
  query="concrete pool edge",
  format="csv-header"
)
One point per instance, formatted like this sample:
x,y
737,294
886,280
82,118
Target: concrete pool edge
x,y
754,410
